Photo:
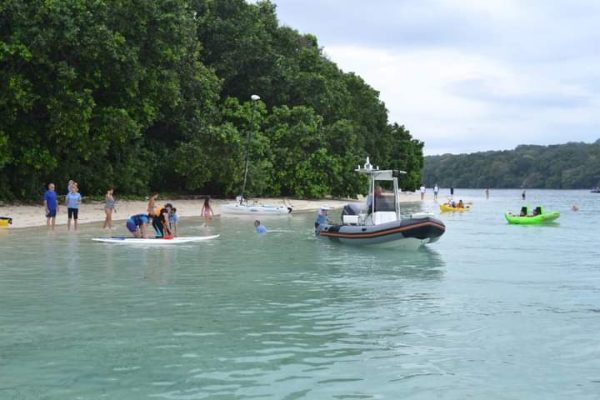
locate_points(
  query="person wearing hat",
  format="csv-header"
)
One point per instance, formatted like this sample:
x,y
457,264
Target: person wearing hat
x,y
321,216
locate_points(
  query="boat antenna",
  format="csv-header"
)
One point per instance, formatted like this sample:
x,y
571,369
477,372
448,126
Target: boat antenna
x,y
254,99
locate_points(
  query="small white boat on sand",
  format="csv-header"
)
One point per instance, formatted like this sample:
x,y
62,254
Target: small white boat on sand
x,y
241,206
244,208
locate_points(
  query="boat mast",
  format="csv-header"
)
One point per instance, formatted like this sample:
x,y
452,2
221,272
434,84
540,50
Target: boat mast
x,y
397,198
254,99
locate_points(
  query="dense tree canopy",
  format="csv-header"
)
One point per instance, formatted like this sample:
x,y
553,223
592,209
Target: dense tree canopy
x,y
566,166
155,95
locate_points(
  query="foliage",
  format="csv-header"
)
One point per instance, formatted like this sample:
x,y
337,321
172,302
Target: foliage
x,y
566,166
155,95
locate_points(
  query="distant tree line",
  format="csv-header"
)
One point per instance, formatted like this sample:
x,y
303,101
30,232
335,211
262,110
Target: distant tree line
x,y
155,96
565,166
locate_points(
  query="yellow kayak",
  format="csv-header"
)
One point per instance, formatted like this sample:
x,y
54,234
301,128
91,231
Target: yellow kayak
x,y
5,221
447,207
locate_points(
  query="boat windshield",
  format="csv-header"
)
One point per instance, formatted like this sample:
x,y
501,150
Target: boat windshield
x,y
385,202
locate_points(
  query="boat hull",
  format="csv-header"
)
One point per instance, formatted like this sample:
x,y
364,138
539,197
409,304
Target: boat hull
x,y
410,233
258,209
546,217
5,221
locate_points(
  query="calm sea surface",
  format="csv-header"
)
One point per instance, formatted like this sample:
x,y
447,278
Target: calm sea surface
x,y
491,311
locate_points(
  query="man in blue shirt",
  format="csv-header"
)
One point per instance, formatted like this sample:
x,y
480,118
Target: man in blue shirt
x,y
260,228
50,206
137,224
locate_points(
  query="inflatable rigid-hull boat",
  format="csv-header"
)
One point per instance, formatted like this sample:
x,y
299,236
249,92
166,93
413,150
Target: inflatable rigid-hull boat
x,y
417,231
546,217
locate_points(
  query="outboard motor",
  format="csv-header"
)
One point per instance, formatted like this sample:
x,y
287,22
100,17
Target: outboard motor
x,y
351,209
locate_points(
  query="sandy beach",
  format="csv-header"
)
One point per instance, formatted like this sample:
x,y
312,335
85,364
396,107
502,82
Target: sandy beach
x,y
26,216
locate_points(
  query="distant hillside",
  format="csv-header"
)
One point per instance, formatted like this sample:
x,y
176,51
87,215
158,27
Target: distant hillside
x,y
565,166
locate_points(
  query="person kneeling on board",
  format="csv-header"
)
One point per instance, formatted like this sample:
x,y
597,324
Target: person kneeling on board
x,y
160,222
136,224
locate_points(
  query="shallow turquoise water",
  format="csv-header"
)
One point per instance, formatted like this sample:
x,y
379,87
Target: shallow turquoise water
x,y
490,311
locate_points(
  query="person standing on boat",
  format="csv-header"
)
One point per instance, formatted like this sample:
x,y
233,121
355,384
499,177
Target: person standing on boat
x,y
436,189
51,206
136,224
260,228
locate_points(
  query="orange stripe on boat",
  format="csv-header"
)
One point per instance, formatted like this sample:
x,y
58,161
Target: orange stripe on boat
x,y
380,233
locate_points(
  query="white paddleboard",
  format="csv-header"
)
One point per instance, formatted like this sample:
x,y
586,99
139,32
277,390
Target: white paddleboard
x,y
154,241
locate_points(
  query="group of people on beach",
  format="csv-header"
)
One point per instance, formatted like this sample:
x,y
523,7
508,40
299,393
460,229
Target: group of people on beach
x,y
163,219
72,202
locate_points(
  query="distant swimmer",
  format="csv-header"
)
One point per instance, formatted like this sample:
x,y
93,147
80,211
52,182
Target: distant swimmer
x,y
137,224
523,195
574,207
260,228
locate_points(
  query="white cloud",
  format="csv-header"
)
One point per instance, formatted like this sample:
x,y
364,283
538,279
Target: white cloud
x,y
468,75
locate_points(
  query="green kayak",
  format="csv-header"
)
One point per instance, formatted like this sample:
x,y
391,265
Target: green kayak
x,y
539,216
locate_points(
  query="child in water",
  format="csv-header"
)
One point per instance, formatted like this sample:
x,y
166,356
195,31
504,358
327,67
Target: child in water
x,y
207,212
173,219
260,228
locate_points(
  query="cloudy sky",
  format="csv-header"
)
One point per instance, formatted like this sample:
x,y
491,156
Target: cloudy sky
x,y
469,75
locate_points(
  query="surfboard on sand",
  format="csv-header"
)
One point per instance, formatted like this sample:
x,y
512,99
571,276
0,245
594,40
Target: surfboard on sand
x,y
154,241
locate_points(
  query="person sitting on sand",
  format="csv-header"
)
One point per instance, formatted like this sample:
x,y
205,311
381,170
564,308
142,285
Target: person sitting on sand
x,y
137,224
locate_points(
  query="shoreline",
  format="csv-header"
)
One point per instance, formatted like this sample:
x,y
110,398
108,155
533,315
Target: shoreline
x,y
29,216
